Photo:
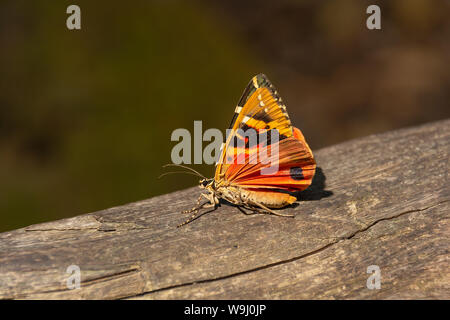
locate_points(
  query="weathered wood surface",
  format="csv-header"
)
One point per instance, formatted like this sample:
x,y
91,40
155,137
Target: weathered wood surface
x,y
381,200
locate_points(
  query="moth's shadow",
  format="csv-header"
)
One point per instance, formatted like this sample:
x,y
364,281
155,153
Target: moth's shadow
x,y
316,190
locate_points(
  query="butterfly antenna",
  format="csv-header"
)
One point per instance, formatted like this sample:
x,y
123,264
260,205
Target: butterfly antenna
x,y
185,167
172,172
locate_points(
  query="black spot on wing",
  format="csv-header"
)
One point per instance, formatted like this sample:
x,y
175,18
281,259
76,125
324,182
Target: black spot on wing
x,y
245,127
263,116
296,173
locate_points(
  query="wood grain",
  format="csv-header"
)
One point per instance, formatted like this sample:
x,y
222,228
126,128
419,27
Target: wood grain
x,y
380,200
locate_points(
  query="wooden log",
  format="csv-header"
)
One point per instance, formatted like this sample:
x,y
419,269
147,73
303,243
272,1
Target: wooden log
x,y
381,200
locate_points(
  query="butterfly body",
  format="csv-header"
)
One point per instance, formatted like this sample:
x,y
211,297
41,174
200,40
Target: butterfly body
x,y
250,184
248,198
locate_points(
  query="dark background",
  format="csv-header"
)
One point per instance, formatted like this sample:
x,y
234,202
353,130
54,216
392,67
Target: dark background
x,y
86,115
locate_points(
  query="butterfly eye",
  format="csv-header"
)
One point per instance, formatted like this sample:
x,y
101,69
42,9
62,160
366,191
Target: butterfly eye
x,y
205,182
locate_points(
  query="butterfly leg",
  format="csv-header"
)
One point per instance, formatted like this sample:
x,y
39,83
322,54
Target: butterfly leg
x,y
241,209
196,212
212,201
196,207
193,216
267,210
188,220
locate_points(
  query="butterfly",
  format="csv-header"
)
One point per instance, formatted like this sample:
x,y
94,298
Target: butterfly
x,y
239,177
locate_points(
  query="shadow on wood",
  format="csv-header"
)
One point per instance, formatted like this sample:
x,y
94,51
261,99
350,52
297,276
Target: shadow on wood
x,y
316,190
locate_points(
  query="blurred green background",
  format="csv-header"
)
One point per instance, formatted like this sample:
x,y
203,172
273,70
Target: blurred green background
x,y
86,115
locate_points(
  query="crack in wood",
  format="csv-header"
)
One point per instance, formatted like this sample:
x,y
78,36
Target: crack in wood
x,y
85,283
278,263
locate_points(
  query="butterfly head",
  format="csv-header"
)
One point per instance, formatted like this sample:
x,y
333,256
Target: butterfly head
x,y
207,184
